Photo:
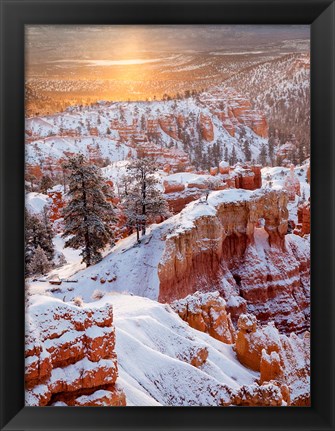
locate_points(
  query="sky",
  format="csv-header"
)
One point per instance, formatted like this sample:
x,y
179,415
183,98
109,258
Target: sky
x,y
56,43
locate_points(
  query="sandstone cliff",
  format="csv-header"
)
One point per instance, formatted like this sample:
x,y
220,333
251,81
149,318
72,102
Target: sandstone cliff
x,y
236,243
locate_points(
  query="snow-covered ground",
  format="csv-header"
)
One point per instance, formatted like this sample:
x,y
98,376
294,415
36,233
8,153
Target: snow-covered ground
x,y
130,267
35,202
49,136
154,347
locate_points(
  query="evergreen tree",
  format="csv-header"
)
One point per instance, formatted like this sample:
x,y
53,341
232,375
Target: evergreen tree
x,y
37,234
142,200
46,183
87,214
226,155
246,150
39,264
271,146
262,155
301,153
233,158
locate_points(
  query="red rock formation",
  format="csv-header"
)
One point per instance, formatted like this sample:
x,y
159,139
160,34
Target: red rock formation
x,y
270,271
207,312
69,353
304,219
224,168
181,191
57,203
214,171
173,187
93,131
256,169
177,202
292,185
168,124
177,159
251,341
206,128
278,358
247,177
260,126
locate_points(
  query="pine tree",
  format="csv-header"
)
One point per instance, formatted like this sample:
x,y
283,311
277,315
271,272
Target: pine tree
x,y
142,200
271,146
87,215
226,155
37,234
246,150
46,183
301,153
39,263
262,155
233,158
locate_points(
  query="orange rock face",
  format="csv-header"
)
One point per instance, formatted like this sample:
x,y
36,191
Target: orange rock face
x,y
173,187
57,204
304,219
285,360
228,252
207,312
69,352
206,128
168,124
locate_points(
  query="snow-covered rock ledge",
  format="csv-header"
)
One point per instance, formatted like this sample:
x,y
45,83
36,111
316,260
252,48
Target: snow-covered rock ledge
x,y
69,353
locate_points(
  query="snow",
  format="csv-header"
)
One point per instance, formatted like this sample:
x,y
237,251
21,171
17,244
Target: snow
x,y
154,346
35,202
224,164
129,266
71,131
274,178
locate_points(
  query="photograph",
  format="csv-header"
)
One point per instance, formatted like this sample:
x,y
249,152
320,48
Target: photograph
x,y
167,215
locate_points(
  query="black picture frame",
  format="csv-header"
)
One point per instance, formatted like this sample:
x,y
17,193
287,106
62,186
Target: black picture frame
x,y
320,14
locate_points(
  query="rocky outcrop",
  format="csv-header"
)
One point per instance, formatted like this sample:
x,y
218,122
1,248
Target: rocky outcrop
x,y
278,357
199,256
270,394
57,203
206,127
181,189
69,354
292,184
207,312
304,219
236,243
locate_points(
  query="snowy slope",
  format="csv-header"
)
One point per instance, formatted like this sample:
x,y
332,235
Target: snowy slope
x,y
35,202
281,89
70,131
131,267
154,347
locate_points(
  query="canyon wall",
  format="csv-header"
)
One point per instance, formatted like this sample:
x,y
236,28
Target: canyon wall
x,y
70,355
236,243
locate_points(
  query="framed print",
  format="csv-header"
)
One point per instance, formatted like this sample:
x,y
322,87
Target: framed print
x,y
167,215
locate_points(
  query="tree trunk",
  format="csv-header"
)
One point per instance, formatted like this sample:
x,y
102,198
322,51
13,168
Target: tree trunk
x,y
143,205
87,236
